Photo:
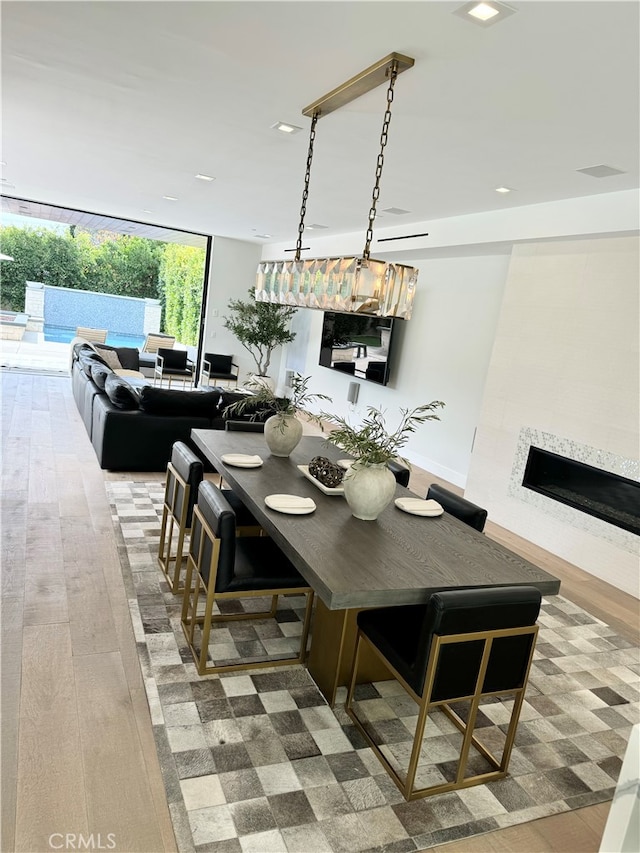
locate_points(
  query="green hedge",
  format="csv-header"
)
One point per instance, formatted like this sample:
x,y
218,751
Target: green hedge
x,y
106,263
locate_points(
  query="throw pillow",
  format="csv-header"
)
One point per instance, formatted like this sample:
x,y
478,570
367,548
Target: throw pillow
x,y
99,373
111,358
129,357
165,401
121,394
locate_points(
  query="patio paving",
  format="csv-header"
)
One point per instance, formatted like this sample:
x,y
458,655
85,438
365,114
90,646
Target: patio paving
x,y
42,357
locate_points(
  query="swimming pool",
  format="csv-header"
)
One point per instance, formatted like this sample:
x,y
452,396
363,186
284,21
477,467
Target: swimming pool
x,y
64,335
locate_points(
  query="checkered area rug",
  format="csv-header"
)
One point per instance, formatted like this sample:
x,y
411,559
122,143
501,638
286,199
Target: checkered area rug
x,y
258,762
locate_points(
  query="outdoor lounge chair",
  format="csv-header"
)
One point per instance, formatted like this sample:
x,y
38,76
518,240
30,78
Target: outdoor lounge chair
x,y
157,339
98,336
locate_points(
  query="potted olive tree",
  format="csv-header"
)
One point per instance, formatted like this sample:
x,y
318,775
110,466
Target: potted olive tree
x,y
260,327
369,484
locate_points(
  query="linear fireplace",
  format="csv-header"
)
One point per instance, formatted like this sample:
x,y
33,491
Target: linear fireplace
x,y
599,493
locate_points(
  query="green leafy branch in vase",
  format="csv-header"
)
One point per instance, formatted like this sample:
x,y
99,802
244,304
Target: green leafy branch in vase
x,y
263,397
372,443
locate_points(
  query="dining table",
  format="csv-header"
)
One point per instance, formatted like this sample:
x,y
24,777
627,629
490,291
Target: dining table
x,y
398,559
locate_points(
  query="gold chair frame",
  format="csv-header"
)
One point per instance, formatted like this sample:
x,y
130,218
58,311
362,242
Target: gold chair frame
x,y
426,704
191,617
170,564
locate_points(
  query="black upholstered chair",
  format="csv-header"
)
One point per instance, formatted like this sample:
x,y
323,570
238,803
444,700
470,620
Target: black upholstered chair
x,y
463,509
244,426
218,367
399,471
184,474
173,364
462,646
222,566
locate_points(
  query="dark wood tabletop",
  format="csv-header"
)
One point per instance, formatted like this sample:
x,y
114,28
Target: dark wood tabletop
x,y
397,559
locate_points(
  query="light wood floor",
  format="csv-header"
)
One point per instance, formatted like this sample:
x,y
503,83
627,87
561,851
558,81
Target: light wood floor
x,y
77,748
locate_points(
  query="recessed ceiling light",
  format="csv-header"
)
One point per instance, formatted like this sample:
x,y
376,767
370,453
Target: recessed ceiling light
x,y
146,210
263,236
396,211
315,227
285,127
484,13
504,190
204,177
170,197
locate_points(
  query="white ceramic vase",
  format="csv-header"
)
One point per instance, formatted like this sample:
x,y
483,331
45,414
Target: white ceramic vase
x,y
368,489
282,434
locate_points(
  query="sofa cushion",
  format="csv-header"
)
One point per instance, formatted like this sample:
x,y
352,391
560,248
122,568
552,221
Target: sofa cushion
x,y
81,346
99,373
166,401
121,394
129,357
86,359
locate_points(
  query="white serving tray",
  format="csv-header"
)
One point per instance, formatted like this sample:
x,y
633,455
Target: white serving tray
x,y
328,490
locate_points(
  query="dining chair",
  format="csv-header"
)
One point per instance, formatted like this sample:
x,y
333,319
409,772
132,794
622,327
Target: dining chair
x,y
244,426
185,472
464,645
399,471
223,567
473,515
173,364
218,367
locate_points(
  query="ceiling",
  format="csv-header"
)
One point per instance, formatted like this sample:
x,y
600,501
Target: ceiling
x,y
109,106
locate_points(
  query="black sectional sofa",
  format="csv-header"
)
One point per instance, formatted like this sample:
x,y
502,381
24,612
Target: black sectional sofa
x,y
133,425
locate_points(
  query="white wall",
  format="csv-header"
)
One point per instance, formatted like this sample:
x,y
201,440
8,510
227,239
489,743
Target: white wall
x,y
604,213
442,353
232,273
565,363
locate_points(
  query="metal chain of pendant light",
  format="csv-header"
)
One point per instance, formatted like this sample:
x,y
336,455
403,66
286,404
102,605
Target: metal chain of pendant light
x,y
344,284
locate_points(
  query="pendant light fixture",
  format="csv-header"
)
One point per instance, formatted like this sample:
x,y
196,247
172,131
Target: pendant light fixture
x,y
346,284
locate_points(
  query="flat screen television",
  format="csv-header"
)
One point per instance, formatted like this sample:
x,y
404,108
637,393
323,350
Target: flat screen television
x,y
357,345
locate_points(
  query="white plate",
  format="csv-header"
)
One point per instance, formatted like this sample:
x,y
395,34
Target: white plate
x,y
345,463
328,490
418,506
241,460
291,504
